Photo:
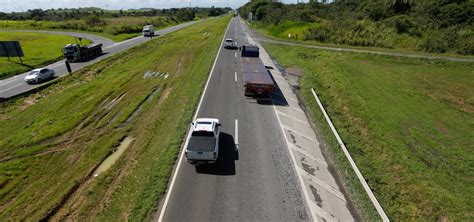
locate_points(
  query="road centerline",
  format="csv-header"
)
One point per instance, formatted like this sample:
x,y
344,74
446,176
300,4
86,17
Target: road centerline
x,y
181,156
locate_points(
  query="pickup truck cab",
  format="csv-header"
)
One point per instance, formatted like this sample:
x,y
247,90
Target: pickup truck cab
x,y
203,144
148,31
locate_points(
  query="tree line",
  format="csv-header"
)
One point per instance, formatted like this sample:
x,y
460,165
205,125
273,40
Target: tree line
x,y
182,14
435,25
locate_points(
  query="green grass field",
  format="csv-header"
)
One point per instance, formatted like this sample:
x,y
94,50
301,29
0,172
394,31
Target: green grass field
x,y
117,29
39,49
402,43
408,123
51,141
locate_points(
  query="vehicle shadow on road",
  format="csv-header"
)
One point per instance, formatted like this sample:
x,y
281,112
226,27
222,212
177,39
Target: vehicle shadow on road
x,y
225,164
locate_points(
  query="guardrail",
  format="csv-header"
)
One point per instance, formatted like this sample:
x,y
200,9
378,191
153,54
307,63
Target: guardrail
x,y
367,189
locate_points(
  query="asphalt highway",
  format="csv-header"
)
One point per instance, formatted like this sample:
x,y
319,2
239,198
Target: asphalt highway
x,y
15,85
254,178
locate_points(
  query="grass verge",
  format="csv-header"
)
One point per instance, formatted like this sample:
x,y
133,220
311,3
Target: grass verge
x,y
297,30
51,142
406,122
117,29
40,49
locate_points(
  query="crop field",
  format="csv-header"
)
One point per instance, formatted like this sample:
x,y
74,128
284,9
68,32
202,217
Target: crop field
x,y
408,123
52,142
39,49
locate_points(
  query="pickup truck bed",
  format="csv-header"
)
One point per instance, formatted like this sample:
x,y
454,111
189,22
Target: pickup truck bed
x,y
202,144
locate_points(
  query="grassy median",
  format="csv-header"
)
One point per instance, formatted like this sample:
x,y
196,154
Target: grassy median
x,y
51,142
40,49
408,123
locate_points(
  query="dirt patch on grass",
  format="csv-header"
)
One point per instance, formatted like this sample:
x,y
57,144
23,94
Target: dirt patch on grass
x,y
4,116
107,163
164,96
29,101
458,102
109,105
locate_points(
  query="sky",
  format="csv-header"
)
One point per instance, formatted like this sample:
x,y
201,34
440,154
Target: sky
x,y
24,5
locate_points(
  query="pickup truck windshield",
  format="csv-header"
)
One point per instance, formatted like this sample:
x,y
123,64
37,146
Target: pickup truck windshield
x,y
203,134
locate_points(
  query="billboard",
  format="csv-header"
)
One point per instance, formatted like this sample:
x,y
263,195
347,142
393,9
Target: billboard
x,y
10,49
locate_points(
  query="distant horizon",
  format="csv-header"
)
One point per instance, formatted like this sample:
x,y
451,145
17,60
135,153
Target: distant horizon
x,y
12,5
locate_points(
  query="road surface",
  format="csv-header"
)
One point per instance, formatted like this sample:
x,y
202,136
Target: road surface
x,y
271,166
15,85
251,181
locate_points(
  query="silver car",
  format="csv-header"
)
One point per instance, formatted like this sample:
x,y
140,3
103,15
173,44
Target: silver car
x,y
39,75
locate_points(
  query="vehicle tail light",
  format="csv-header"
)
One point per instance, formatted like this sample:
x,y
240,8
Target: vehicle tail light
x,y
214,155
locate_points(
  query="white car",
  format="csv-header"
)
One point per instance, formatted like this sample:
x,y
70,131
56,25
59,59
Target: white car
x,y
230,44
39,75
203,144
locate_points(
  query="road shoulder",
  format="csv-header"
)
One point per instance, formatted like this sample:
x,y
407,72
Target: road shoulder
x,y
324,195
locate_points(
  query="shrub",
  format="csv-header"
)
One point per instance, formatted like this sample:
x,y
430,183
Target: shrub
x,y
403,24
434,41
465,43
94,21
124,29
361,33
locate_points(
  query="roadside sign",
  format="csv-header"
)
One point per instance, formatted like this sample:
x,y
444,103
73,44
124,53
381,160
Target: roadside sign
x,y
11,49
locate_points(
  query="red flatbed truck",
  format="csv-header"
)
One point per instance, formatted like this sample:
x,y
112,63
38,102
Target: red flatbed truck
x,y
256,78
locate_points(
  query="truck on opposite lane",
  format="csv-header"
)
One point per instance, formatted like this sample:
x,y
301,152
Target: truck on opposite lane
x,y
148,31
203,144
77,52
256,78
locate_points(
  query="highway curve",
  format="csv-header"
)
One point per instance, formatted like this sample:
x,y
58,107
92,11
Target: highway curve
x,y
15,85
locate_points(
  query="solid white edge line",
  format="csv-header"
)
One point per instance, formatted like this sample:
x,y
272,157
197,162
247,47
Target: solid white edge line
x,y
235,76
181,157
300,178
367,189
236,141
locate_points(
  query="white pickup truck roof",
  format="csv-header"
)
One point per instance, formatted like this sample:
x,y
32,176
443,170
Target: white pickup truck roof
x,y
205,124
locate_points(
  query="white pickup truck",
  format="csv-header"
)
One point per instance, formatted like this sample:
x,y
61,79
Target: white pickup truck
x,y
203,144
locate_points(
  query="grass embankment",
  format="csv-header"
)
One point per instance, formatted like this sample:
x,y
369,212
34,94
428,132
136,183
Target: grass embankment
x,y
39,49
52,141
117,29
408,123
399,43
